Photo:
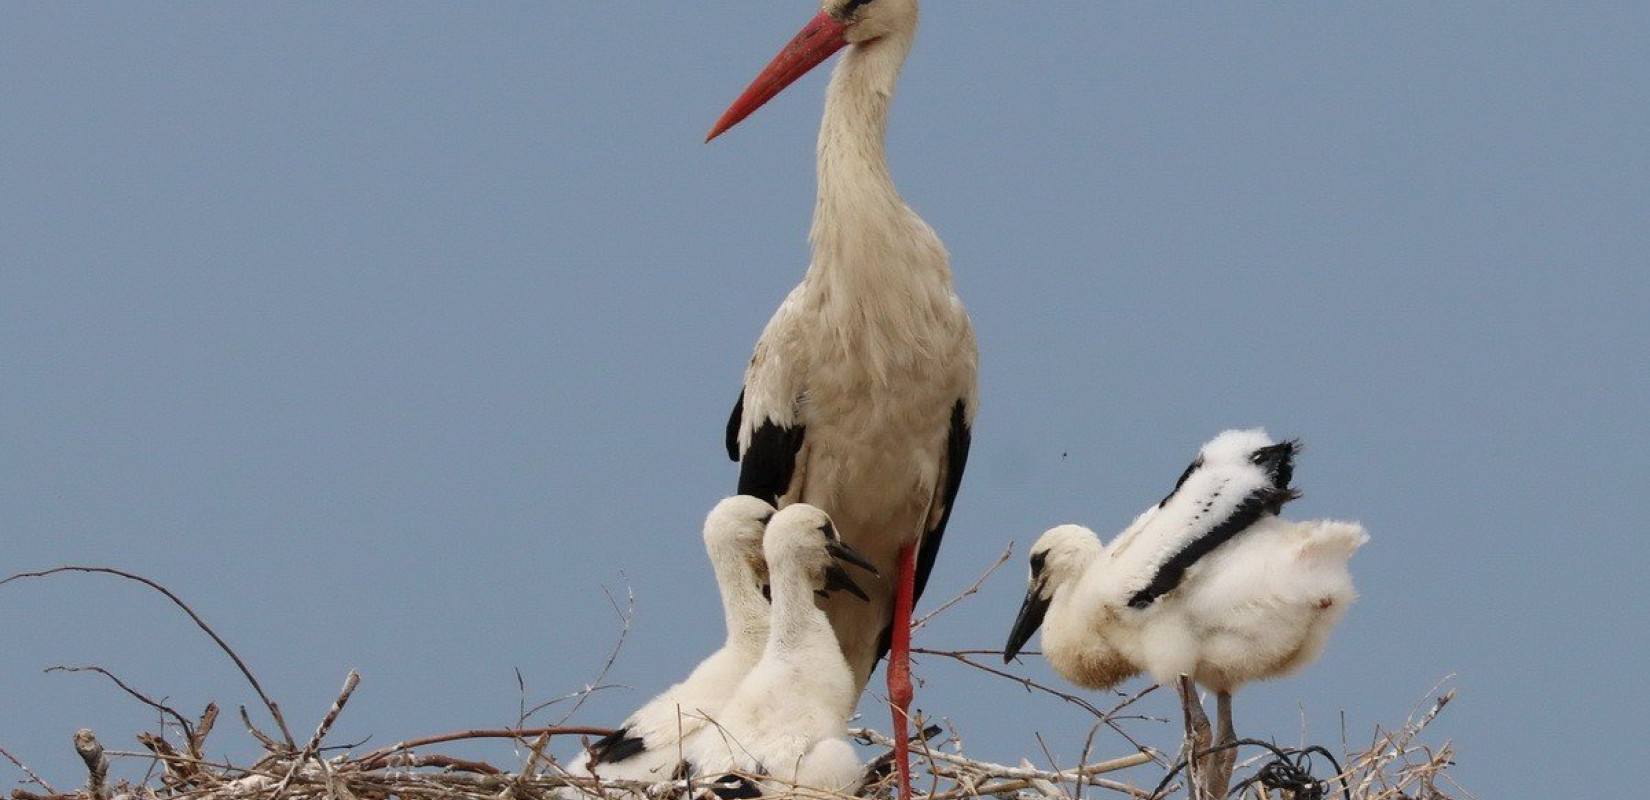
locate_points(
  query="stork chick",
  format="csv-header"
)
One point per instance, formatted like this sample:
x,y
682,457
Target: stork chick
x,y
1208,583
787,723
645,747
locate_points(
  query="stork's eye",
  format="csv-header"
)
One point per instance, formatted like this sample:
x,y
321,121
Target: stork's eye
x,y
1038,560
849,8
829,530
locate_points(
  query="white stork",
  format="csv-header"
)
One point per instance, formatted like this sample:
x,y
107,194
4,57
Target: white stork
x,y
645,747
862,390
1208,583
788,721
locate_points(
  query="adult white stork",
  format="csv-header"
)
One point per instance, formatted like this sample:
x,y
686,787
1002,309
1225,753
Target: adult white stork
x,y
1208,583
788,721
645,747
862,390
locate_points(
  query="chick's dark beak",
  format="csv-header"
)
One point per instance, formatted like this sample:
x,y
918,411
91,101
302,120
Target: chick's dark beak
x,y
1028,621
837,578
840,551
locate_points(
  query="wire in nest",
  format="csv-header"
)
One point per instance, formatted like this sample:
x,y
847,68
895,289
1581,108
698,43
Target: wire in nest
x,y
1290,770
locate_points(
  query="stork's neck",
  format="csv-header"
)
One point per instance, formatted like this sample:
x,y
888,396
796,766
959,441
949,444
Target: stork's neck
x,y
744,609
858,210
798,631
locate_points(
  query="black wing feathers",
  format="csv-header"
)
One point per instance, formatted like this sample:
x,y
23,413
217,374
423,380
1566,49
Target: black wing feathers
x,y
734,421
767,466
615,747
956,460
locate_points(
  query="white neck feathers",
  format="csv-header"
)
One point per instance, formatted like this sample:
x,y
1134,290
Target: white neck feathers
x,y
877,268
744,610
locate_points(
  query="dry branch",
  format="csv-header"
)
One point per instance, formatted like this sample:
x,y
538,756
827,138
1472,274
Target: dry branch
x,y
29,773
274,710
97,765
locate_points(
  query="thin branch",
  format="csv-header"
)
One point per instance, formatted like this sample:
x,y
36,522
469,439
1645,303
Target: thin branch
x,y
437,760
1022,777
367,761
626,615
269,744
33,778
971,590
522,718
188,730
1028,683
274,710
351,680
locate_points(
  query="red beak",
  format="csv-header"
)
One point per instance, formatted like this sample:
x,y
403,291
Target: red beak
x,y
817,40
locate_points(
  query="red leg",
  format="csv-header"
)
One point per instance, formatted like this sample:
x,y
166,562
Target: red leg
x,y
899,665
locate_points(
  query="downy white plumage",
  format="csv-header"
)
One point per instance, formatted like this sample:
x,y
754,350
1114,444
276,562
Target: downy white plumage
x,y
862,389
1208,583
645,747
787,723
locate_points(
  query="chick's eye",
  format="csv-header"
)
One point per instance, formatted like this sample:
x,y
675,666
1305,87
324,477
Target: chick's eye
x,y
1037,562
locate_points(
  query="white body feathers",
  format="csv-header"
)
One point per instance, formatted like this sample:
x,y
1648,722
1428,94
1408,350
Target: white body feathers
x,y
788,719
1261,606
1165,598
646,747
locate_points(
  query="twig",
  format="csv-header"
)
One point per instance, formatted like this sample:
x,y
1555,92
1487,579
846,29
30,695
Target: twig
x,y
198,762
274,710
33,778
367,761
97,765
1020,777
438,760
351,680
971,590
188,730
626,614
1028,683
203,727
535,753
178,771
269,744
527,713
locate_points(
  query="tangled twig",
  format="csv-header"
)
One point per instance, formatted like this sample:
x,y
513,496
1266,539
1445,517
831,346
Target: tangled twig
x,y
1290,770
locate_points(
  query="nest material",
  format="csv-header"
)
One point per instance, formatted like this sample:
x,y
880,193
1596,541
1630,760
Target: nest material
x,y
1396,765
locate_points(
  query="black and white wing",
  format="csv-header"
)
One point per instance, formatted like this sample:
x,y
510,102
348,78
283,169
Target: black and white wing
x,y
1238,478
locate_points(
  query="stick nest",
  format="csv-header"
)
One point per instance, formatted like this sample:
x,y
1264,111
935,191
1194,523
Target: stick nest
x,y
1395,765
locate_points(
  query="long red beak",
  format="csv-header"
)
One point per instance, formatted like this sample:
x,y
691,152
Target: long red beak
x,y
817,40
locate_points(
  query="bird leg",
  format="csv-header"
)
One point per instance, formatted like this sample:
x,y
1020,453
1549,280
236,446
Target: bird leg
x,y
899,665
1219,773
1197,740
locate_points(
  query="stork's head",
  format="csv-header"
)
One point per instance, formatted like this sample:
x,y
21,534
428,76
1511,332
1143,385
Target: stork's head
x,y
733,533
839,24
801,540
864,20
1058,559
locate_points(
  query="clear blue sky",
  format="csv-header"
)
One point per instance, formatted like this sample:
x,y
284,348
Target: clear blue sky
x,y
389,334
